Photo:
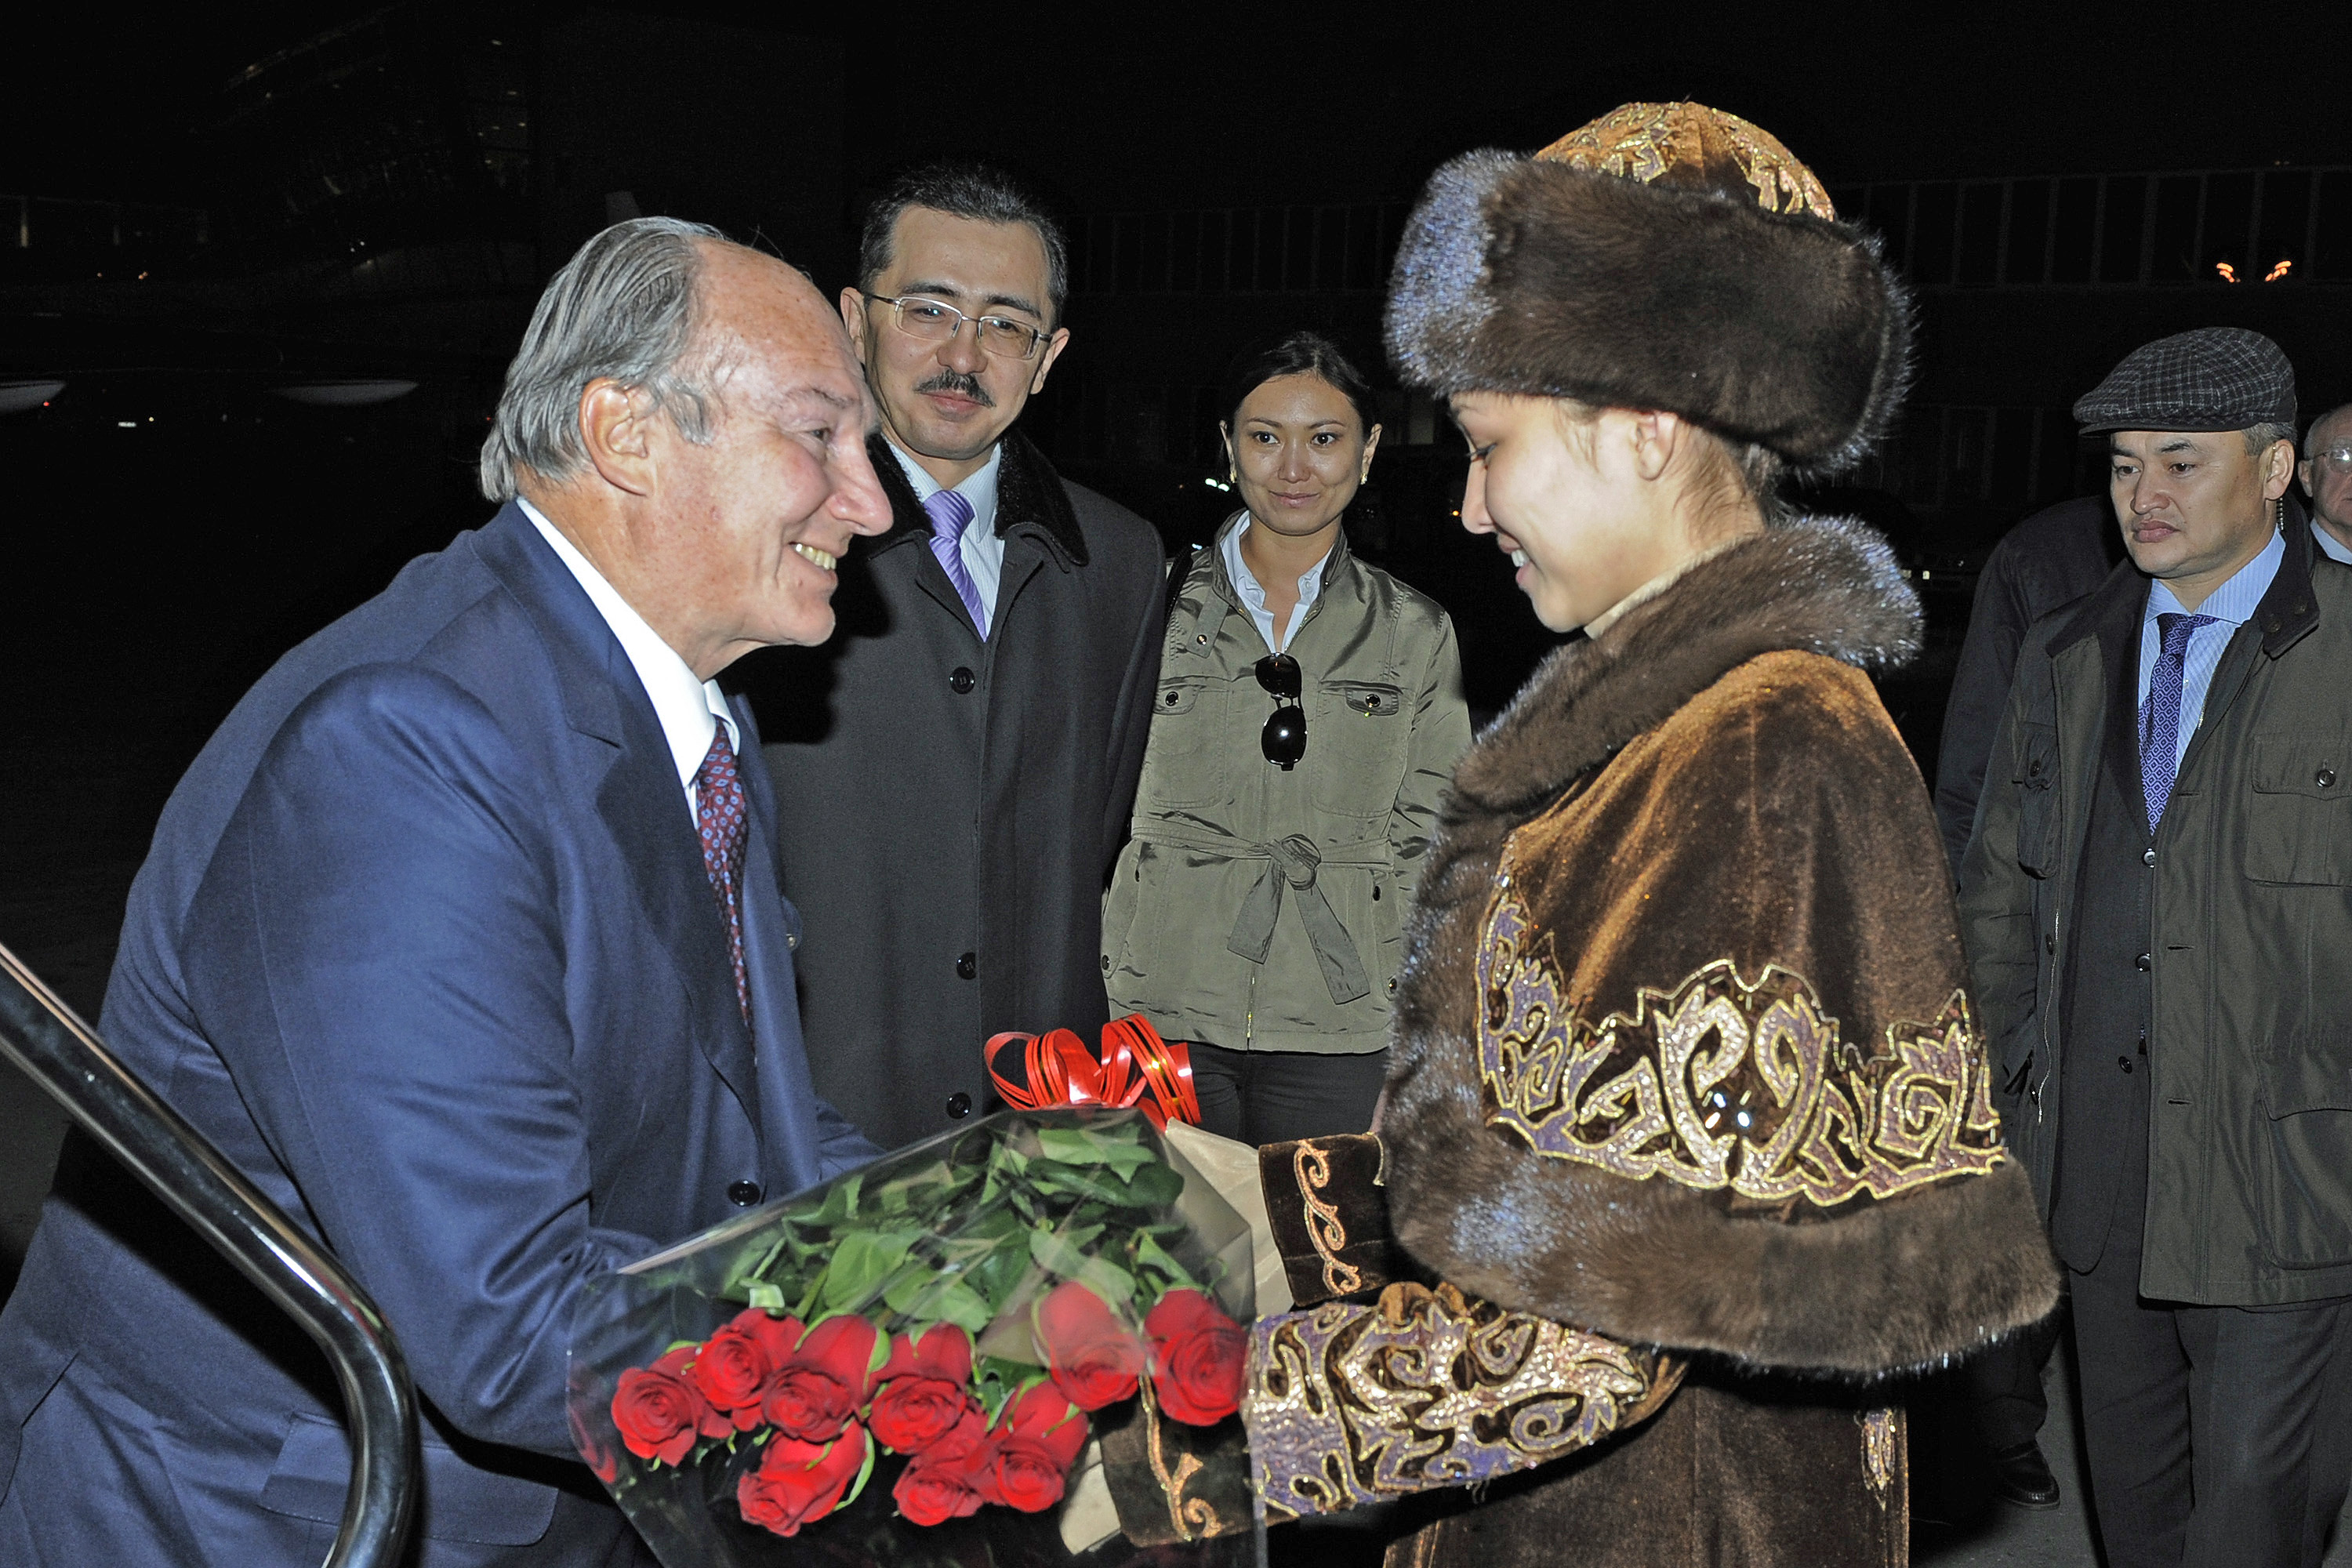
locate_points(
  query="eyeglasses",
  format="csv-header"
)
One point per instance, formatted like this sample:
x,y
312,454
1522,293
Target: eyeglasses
x,y
2337,458
1284,739
936,321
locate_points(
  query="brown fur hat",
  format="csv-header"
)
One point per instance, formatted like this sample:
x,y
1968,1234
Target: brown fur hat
x,y
1732,307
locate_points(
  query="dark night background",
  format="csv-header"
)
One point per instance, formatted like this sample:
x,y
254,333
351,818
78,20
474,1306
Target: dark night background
x,y
232,237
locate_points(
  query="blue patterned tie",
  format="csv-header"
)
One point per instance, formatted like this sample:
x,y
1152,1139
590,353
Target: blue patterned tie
x,y
2159,728
950,514
718,818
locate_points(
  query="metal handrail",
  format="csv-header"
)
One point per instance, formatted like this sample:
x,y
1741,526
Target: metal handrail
x,y
56,1049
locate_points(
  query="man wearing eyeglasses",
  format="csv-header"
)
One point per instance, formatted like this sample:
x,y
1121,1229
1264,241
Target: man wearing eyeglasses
x,y
985,705
2326,475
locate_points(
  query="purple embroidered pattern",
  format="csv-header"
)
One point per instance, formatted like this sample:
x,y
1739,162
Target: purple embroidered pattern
x,y
1345,1405
1719,1082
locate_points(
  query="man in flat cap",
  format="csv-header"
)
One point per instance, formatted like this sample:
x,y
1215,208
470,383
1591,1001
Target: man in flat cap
x,y
2157,907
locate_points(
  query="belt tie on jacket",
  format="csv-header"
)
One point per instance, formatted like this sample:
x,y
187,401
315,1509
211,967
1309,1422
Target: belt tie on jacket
x,y
1292,862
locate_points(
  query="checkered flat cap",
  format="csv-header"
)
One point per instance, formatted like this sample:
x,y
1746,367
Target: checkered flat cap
x,y
2215,378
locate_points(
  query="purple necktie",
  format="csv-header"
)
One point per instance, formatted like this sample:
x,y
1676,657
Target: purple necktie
x,y
719,816
2160,730
950,514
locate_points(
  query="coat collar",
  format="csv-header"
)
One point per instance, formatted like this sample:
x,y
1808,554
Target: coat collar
x,y
638,796
1029,497
2288,613
1825,585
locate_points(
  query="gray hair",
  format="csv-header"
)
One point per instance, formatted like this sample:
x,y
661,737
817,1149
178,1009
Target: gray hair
x,y
2261,437
624,308
973,191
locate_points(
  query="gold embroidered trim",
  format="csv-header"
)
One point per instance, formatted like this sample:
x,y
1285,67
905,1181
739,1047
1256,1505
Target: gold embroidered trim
x,y
1878,1442
1346,1404
1192,1518
1645,142
1724,1083
1325,1229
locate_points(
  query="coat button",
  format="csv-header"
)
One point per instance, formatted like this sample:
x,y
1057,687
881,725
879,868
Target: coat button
x,y
2148,857
959,680
968,966
743,1194
958,1105
2123,1062
2050,943
2324,778
2141,963
1106,963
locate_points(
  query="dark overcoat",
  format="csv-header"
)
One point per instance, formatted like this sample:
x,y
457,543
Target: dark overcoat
x,y
2248,1198
425,948
951,807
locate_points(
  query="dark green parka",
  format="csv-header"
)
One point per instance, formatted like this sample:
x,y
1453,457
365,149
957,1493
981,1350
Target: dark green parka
x,y
2249,946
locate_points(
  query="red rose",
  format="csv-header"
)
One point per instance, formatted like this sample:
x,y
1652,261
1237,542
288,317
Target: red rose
x,y
660,1413
942,1483
1090,1355
825,1380
734,1364
921,1391
1030,1450
798,1481
1197,1355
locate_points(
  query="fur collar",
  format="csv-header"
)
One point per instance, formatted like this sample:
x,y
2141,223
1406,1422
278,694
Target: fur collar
x,y
1028,493
1827,585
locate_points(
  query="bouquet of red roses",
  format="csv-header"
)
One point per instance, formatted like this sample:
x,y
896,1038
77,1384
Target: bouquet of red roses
x,y
909,1355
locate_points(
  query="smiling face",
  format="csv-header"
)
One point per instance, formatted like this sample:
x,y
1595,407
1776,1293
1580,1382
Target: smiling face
x,y
1299,451
1565,500
735,542
2194,505
947,401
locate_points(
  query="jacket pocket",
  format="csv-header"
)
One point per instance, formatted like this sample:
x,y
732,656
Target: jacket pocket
x,y
2035,776
2303,1176
1364,735
456,1500
2299,810
1184,763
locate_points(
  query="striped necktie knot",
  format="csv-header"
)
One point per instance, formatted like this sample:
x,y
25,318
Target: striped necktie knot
x,y
950,515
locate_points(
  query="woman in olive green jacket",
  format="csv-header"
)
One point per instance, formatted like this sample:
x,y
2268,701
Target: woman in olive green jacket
x,y
1308,717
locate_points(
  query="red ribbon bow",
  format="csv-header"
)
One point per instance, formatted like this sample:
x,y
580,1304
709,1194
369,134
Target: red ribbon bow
x,y
1056,1068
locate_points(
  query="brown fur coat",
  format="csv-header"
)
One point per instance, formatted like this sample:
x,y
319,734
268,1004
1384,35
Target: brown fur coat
x,y
1683,1054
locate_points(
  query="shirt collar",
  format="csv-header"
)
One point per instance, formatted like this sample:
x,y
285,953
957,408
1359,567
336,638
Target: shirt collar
x,y
2233,602
979,488
1246,582
2330,546
689,710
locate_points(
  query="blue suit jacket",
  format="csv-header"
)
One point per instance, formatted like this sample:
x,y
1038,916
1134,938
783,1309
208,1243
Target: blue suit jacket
x,y
426,946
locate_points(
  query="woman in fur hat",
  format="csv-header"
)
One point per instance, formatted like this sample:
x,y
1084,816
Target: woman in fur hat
x,y
1683,1051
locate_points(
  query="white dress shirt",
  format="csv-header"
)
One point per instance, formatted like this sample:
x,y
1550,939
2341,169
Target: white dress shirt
x,y
1245,584
2332,547
690,710
982,551
2231,605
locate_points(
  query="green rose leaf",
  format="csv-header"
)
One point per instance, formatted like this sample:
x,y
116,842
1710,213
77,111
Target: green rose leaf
x,y
861,1260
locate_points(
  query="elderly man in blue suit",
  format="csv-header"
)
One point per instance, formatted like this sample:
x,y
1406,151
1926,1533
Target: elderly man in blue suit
x,y
462,939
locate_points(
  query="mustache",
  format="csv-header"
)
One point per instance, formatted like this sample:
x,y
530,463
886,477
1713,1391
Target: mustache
x,y
960,384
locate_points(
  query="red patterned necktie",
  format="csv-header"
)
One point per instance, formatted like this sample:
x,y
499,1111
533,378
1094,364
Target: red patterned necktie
x,y
718,814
